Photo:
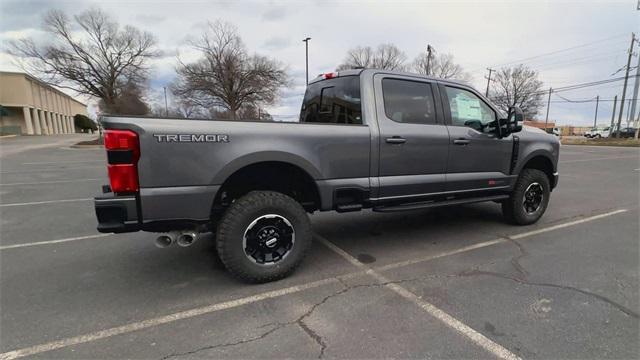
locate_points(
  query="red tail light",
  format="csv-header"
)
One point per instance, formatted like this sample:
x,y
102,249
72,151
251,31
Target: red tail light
x,y
329,75
123,152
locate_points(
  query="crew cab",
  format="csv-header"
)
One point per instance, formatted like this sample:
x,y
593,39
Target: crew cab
x,y
366,139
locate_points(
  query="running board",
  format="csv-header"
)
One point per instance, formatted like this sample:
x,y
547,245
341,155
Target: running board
x,y
434,203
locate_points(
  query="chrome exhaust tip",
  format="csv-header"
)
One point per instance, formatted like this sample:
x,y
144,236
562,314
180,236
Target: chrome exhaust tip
x,y
165,240
187,238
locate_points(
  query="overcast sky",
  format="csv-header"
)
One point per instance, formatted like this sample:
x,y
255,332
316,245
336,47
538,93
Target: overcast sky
x,y
478,34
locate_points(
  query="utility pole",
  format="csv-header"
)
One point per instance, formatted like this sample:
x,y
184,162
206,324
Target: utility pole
x,y
595,119
635,94
613,114
626,80
429,54
166,106
306,56
488,81
546,120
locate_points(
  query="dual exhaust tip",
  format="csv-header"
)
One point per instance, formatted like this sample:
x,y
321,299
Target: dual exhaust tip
x,y
182,238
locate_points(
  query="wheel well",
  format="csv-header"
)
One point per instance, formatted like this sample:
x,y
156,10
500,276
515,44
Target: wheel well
x,y
273,176
541,163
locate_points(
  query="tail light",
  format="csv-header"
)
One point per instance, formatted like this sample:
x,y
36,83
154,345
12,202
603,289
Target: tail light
x,y
123,152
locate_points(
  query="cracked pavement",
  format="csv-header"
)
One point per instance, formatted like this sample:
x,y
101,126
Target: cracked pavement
x,y
567,293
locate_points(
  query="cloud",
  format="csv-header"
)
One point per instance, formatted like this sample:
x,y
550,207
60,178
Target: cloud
x,y
275,13
478,35
276,43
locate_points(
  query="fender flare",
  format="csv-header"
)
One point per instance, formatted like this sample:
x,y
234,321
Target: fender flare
x,y
265,156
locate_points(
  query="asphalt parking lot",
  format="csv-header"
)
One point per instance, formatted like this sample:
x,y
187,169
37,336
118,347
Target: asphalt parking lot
x,y
440,283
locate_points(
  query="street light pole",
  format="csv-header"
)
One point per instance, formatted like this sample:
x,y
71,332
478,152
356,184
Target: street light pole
x,y
306,55
166,106
595,118
546,120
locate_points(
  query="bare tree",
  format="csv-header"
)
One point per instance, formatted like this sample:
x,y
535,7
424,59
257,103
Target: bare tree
x,y
518,86
441,66
385,56
93,56
226,76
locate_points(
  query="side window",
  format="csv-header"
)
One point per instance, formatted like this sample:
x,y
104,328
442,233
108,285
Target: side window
x,y
333,101
469,110
408,101
326,99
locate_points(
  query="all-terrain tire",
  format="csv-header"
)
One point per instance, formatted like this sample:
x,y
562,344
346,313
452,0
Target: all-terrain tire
x,y
241,217
513,208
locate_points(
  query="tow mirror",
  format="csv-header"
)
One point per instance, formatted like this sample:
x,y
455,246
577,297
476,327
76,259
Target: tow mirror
x,y
513,122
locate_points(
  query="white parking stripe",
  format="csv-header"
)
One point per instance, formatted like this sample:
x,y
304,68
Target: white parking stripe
x,y
44,202
16,246
563,225
51,182
455,324
131,327
496,241
51,169
162,320
62,162
603,158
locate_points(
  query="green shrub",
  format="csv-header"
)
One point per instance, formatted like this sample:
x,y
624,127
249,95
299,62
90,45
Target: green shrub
x,y
84,123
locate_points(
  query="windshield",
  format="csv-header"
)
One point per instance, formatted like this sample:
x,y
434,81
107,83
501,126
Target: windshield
x,y
333,101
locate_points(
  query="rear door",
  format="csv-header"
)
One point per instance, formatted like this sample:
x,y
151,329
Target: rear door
x,y
478,159
413,141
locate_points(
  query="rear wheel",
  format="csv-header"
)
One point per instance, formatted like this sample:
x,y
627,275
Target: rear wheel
x,y
263,236
529,199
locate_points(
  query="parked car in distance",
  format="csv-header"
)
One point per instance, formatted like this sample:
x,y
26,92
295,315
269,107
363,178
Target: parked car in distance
x,y
627,132
589,133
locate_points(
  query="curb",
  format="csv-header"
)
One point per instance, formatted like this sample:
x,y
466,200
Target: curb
x,y
86,146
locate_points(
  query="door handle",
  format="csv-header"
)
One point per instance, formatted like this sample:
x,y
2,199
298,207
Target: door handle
x,y
396,140
461,142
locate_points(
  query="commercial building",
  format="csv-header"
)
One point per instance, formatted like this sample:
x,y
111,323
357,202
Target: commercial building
x,y
31,107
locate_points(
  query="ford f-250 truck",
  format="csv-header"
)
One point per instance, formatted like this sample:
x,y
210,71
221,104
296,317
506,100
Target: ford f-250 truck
x,y
388,141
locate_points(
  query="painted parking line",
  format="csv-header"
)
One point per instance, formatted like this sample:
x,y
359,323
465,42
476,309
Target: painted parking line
x,y
51,169
602,158
51,182
44,202
131,327
62,162
49,242
497,241
455,324
144,324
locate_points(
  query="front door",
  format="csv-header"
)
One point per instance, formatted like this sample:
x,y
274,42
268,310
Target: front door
x,y
413,141
478,159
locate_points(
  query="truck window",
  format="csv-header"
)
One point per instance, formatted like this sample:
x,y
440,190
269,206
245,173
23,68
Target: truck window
x,y
408,101
333,101
469,110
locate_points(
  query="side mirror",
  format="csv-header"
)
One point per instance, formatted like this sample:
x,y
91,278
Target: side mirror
x,y
513,122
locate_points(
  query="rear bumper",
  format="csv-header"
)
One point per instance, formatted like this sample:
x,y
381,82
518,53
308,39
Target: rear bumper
x,y
556,178
117,214
155,209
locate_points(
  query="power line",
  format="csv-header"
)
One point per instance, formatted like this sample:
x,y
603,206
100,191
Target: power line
x,y
562,50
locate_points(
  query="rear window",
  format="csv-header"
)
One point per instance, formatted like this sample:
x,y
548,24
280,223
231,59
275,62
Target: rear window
x,y
333,101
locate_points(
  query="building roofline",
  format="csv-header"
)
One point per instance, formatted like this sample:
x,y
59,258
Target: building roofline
x,y
43,83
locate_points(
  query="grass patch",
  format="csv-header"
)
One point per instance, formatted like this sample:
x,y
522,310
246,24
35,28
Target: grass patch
x,y
602,142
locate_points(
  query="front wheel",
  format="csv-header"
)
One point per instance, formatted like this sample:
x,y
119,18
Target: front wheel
x,y
529,199
263,236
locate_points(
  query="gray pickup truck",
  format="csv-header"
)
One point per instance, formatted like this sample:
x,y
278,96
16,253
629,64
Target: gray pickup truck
x,y
383,140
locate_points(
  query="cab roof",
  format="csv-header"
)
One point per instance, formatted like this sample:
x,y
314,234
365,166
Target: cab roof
x,y
352,72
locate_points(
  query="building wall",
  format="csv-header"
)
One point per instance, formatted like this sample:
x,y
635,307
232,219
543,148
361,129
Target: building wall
x,y
38,108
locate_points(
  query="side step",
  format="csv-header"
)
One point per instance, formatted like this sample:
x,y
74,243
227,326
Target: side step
x,y
349,207
434,203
